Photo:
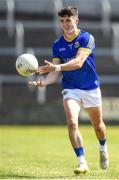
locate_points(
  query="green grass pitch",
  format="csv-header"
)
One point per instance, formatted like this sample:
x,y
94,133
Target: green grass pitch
x,y
44,152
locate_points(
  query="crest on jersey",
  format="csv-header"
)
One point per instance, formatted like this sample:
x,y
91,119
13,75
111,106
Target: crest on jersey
x,y
76,44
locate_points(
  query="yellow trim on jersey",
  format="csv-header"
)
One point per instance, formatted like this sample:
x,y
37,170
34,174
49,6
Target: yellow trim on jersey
x,y
56,59
73,37
86,49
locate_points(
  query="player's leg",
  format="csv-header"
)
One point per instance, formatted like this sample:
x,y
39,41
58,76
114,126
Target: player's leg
x,y
72,109
95,114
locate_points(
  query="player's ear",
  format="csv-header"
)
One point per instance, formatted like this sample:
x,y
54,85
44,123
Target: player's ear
x,y
77,20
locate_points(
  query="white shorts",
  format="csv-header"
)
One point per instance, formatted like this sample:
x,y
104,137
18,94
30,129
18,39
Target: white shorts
x,y
88,98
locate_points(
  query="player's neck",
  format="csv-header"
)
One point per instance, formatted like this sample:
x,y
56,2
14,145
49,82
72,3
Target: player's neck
x,y
70,36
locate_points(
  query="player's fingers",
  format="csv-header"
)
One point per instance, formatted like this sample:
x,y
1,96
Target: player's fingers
x,y
37,71
40,69
40,83
32,83
47,62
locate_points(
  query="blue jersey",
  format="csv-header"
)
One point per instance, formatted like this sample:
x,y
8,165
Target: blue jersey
x,y
84,78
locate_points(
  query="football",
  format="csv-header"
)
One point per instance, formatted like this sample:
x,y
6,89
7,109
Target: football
x,y
26,64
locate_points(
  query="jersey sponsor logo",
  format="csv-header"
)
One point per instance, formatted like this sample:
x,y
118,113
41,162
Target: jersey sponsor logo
x,y
70,45
62,49
69,59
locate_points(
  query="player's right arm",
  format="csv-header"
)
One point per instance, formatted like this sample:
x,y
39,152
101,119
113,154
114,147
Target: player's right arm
x,y
50,78
52,75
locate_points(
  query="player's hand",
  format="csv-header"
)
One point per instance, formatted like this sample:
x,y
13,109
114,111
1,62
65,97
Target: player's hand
x,y
38,83
46,68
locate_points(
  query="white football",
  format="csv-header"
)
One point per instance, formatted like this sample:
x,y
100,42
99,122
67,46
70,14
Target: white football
x,y
26,64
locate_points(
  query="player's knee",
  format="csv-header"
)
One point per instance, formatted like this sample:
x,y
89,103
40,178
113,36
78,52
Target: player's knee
x,y
72,125
98,127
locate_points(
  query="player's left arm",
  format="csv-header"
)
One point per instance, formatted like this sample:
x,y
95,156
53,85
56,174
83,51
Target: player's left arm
x,y
77,62
73,64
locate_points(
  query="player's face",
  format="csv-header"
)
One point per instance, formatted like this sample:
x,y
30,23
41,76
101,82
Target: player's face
x,y
68,24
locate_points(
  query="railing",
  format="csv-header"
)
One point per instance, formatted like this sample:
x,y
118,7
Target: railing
x,y
10,16
115,28
57,6
19,38
106,17
41,92
114,79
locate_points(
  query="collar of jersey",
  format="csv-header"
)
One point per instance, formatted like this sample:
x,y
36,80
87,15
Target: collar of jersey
x,y
73,37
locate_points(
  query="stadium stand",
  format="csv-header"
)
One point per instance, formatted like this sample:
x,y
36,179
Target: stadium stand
x,y
31,26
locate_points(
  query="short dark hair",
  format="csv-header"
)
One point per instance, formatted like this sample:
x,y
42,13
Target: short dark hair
x,y
68,11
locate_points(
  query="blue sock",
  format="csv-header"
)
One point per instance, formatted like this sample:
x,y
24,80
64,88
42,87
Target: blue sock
x,y
102,142
79,151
